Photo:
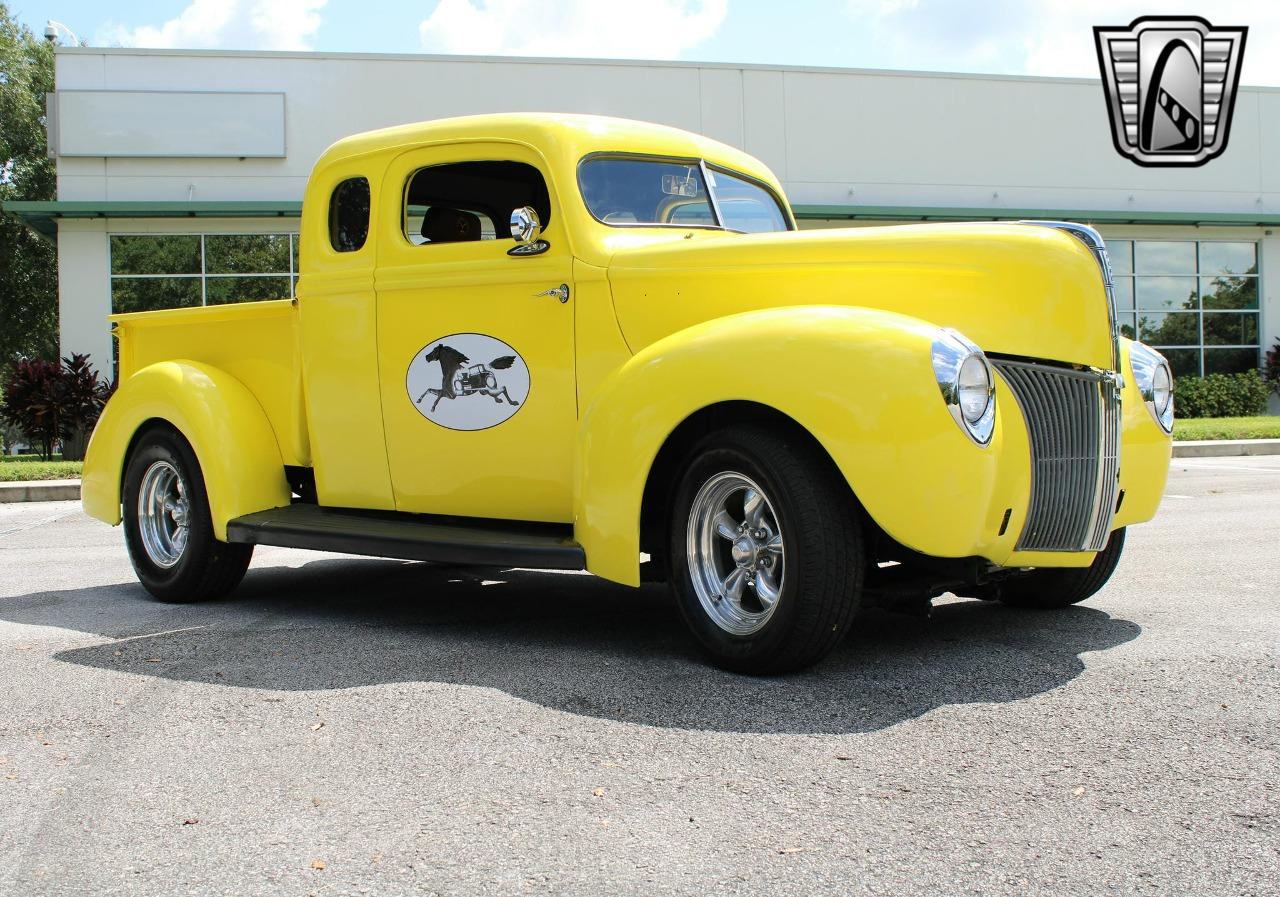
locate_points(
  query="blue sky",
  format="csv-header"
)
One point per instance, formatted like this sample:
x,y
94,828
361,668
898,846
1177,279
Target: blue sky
x,y
1041,37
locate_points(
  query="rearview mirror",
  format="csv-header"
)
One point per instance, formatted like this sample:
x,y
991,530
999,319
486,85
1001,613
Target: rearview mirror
x,y
525,226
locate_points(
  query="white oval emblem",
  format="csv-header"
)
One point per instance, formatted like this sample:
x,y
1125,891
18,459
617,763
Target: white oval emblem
x,y
467,381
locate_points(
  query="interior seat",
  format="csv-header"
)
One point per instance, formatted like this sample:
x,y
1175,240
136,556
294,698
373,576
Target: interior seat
x,y
445,225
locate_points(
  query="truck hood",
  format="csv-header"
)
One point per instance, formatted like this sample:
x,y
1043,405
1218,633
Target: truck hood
x,y
1013,289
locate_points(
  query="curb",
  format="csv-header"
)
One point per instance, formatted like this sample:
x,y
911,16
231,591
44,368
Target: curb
x,y
40,490
1225,448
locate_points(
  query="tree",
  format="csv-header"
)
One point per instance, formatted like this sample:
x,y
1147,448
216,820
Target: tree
x,y
1180,326
28,263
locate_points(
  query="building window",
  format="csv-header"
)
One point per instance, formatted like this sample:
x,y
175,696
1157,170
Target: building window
x,y
1195,301
155,271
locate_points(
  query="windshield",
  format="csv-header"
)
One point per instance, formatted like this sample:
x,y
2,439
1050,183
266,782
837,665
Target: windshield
x,y
621,192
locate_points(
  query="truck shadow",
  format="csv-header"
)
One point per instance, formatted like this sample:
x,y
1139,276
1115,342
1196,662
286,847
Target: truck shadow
x,y
567,642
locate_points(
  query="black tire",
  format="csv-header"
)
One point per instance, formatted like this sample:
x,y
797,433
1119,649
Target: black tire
x,y
822,573
206,568
1048,589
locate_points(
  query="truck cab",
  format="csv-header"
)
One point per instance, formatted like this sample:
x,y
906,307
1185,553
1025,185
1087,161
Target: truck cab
x,y
585,343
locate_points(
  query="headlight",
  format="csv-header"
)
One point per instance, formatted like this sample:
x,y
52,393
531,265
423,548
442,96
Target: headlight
x,y
1154,380
974,388
964,376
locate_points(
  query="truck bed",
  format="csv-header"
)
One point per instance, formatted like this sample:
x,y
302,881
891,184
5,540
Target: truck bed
x,y
255,342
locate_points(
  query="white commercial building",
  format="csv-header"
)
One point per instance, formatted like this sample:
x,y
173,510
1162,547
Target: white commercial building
x,y
181,173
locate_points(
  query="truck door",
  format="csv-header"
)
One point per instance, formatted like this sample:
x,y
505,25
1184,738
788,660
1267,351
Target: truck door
x,y
338,314
475,341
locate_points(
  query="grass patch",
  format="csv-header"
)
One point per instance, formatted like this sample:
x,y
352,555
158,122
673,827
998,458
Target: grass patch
x,y
31,467
1227,428
17,471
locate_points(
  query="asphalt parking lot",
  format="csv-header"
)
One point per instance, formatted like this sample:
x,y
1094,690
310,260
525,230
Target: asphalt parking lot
x,y
350,726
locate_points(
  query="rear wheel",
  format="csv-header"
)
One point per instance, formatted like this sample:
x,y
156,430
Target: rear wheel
x,y
765,552
167,526
1063,587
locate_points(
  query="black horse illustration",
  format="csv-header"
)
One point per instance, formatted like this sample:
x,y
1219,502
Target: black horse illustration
x,y
464,379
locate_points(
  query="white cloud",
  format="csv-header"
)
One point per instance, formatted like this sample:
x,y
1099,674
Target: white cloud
x,y
230,24
1050,37
637,29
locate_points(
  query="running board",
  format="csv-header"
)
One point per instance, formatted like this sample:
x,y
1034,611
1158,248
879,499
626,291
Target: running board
x,y
414,537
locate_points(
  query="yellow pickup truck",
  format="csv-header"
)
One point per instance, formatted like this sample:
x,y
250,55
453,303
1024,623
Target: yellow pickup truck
x,y
574,342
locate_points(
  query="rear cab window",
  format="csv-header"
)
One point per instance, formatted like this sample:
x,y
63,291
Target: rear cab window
x,y
349,215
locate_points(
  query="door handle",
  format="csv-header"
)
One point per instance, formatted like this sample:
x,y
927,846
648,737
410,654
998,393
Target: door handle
x,y
561,292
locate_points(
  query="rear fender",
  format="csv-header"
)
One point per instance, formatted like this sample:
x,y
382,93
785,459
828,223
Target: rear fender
x,y
216,413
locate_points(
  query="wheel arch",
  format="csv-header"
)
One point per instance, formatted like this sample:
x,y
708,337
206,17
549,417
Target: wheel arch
x,y
858,382
219,418
659,488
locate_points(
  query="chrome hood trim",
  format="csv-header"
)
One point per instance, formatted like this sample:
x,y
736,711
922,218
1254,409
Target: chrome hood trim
x,y
1097,246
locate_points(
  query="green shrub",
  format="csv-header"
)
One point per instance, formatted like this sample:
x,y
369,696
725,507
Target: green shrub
x,y
30,404
1271,368
54,402
1221,395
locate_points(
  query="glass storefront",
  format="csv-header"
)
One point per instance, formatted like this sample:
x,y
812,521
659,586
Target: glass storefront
x,y
155,271
1195,301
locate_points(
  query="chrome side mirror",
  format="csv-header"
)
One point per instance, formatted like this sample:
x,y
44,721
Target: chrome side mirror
x,y
525,226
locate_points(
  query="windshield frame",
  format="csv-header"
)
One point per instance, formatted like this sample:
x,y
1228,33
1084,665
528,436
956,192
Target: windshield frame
x,y
712,200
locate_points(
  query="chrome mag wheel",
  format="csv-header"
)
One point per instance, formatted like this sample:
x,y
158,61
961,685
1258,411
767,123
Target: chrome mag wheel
x,y
735,555
162,514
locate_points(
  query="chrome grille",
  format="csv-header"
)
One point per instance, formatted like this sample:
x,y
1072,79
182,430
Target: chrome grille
x,y
1073,425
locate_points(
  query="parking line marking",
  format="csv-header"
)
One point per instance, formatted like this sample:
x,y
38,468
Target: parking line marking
x,y
1225,467
134,638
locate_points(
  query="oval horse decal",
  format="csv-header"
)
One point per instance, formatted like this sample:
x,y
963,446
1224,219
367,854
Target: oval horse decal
x,y
467,381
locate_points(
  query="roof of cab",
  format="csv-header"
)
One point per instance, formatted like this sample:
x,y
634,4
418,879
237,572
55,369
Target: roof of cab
x,y
553,132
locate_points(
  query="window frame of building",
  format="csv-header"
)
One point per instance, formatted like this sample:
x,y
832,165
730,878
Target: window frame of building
x,y
1124,253
204,276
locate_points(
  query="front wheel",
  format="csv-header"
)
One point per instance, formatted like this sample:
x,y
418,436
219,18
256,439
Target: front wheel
x,y
1048,589
765,553
167,526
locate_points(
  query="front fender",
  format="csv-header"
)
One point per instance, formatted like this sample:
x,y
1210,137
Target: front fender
x,y
221,419
859,380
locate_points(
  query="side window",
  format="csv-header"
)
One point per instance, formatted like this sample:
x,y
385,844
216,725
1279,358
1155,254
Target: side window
x,y
471,201
349,215
746,206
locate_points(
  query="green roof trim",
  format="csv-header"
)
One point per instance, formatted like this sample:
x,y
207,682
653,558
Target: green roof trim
x,y
42,216
1098,216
